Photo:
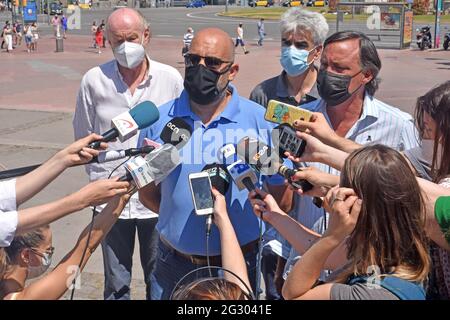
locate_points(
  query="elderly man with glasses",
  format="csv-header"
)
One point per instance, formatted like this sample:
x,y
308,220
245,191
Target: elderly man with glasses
x,y
212,107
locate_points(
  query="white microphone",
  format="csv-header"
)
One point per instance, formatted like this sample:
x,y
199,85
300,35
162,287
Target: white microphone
x,y
163,161
155,167
125,125
226,152
243,175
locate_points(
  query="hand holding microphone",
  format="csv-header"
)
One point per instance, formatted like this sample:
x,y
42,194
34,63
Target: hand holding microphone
x,y
101,191
78,153
321,181
263,204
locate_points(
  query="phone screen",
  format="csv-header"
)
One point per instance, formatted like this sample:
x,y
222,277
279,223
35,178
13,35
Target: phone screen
x,y
202,193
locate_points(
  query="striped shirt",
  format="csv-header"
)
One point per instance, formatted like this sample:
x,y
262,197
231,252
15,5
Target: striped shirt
x,y
379,124
187,39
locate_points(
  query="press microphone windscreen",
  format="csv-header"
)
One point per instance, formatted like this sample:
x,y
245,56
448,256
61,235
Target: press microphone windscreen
x,y
176,132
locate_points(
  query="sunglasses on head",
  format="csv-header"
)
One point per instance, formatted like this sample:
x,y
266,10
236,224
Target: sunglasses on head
x,y
210,62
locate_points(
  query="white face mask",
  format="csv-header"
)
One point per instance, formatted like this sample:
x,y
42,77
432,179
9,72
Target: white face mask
x,y
427,152
36,271
129,54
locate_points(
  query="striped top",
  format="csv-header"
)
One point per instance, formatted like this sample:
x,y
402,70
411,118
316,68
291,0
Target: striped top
x,y
187,39
379,123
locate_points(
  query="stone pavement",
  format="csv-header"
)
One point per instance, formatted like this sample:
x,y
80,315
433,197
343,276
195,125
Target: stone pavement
x,y
38,93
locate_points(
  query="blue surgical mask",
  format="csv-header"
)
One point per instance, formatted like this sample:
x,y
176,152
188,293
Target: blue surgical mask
x,y
294,61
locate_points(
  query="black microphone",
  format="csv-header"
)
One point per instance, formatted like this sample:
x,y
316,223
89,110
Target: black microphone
x,y
219,176
176,132
127,124
112,155
220,179
267,161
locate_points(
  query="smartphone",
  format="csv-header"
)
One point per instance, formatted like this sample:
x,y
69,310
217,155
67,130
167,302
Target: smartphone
x,y
200,185
280,112
286,138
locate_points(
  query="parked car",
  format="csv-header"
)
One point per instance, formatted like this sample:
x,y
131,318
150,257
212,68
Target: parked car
x,y
317,3
195,4
55,8
260,3
292,3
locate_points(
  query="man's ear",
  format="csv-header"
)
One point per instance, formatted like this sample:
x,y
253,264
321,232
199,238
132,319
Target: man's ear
x,y
233,71
368,76
147,36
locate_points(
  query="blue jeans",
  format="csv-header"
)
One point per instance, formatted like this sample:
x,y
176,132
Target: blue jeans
x,y
118,248
261,38
170,268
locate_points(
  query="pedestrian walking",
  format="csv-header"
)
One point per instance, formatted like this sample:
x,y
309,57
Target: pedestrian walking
x,y
8,37
261,32
35,33
240,38
99,38
94,32
64,25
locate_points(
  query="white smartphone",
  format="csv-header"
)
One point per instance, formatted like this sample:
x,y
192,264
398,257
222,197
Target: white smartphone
x,y
200,184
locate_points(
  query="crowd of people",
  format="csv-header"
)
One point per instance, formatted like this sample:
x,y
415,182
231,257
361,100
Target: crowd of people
x,y
13,34
375,224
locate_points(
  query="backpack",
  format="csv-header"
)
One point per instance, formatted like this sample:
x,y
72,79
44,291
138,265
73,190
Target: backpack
x,y
401,288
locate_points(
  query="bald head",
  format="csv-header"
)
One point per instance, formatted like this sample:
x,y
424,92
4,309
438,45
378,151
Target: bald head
x,y
213,42
125,24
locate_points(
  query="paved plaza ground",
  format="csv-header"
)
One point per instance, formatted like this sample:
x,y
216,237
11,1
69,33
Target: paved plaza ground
x,y
38,94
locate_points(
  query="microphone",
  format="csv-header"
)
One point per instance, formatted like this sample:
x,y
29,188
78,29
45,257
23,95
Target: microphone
x,y
219,176
176,132
243,176
103,157
112,155
127,124
155,167
220,179
266,160
285,139
227,153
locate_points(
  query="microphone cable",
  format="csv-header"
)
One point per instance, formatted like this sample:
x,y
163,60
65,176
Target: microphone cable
x,y
208,234
259,258
91,225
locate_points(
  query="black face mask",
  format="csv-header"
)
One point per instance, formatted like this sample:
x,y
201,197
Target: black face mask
x,y
201,84
333,88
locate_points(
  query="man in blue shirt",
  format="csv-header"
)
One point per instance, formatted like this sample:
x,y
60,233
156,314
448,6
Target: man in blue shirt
x,y
218,116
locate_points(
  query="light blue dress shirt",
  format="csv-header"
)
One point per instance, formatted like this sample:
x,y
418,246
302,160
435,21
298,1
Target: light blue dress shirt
x,y
178,224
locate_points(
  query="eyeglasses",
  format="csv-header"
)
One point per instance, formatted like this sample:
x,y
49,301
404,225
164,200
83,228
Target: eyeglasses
x,y
49,251
212,63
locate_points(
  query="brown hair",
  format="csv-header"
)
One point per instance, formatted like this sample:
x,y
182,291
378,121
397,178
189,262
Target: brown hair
x,y
30,239
436,103
210,289
390,231
4,262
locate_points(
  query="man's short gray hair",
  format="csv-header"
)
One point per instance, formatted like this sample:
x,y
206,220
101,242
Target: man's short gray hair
x,y
297,19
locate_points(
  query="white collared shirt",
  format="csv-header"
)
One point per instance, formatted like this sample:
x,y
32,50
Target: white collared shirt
x,y
103,95
8,212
